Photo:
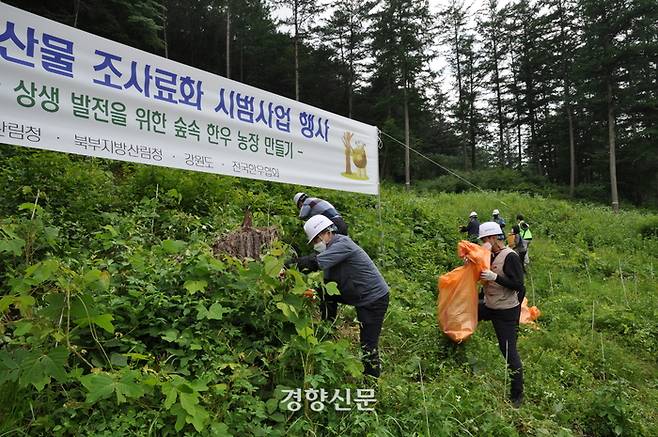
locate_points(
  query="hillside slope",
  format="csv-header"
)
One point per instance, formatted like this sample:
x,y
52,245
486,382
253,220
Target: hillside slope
x,y
117,319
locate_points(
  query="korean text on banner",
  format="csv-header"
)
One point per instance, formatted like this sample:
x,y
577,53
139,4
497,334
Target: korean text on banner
x,y
66,90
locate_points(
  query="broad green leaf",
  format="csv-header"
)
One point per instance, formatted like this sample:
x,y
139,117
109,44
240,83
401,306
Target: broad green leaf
x,y
99,386
173,246
332,289
129,387
97,280
220,429
104,321
307,334
202,312
288,310
42,271
199,419
181,415
272,266
189,402
55,305
24,303
220,388
13,246
216,264
194,286
118,359
39,369
51,233
102,385
198,385
27,205
271,405
23,327
136,356
216,312
5,302
170,393
9,368
170,335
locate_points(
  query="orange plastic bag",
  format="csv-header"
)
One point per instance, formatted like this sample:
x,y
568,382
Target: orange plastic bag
x,y
457,303
528,315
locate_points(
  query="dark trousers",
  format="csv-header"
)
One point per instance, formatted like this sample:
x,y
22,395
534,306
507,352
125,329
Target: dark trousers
x,y
341,226
371,318
506,323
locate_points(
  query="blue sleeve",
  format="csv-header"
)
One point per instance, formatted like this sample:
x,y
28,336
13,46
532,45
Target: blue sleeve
x,y
335,254
304,211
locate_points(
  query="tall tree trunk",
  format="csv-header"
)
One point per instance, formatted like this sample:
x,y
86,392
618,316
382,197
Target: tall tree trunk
x,y
164,31
611,142
572,154
407,175
350,76
517,110
499,104
241,60
533,132
567,99
296,18
228,39
471,110
76,13
460,102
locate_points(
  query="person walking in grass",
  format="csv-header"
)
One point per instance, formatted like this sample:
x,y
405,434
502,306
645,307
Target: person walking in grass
x,y
471,227
503,293
496,218
526,234
359,281
519,244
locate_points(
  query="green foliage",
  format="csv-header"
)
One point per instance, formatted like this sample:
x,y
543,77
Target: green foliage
x,y
124,322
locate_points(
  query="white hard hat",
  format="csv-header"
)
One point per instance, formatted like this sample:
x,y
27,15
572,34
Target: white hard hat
x,y
473,214
315,225
488,229
495,212
298,197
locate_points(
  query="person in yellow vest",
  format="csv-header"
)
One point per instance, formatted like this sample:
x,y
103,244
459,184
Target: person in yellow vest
x,y
526,234
503,293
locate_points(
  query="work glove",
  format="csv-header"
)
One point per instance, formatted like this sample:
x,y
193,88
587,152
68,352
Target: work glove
x,y
488,275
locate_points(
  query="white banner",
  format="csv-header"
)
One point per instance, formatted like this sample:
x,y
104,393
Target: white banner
x,y
67,90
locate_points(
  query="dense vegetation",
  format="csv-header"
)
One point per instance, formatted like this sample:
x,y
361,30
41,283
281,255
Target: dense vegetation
x,y
118,319
556,88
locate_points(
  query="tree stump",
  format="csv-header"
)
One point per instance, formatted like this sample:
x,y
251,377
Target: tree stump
x,y
246,242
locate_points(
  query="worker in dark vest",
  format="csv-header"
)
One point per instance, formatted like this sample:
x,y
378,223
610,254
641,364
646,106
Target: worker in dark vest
x,y
472,227
503,293
312,206
495,217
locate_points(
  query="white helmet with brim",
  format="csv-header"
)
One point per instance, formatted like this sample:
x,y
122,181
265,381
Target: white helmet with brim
x,y
316,225
488,229
298,197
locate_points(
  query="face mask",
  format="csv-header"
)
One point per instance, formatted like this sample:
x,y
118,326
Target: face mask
x,y
487,245
320,247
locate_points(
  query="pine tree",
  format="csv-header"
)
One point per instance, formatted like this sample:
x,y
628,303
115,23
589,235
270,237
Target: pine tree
x,y
401,38
346,33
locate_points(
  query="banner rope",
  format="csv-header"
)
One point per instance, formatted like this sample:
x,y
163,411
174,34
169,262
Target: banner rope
x,y
432,161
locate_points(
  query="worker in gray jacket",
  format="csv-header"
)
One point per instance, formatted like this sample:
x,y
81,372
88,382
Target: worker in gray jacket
x,y
359,282
312,206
